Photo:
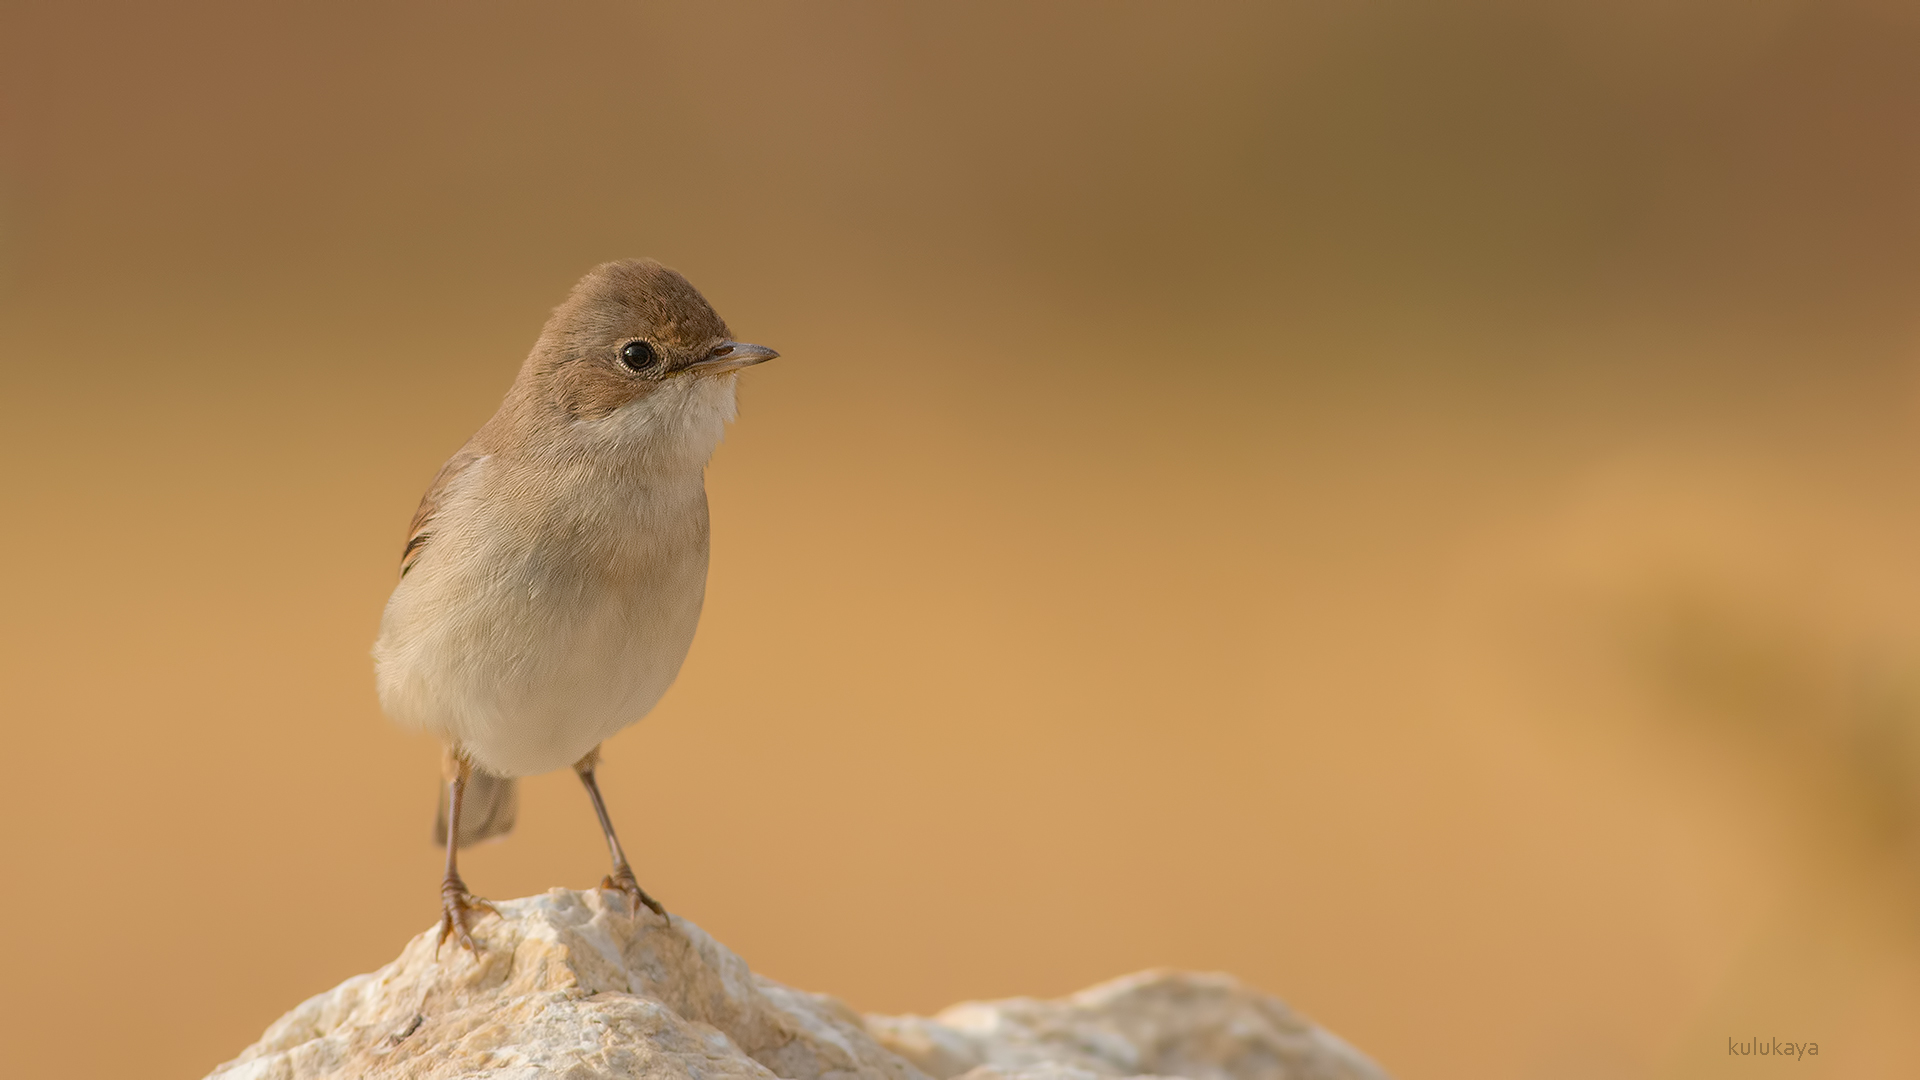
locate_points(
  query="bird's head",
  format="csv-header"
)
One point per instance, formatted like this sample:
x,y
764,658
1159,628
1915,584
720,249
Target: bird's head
x,y
636,352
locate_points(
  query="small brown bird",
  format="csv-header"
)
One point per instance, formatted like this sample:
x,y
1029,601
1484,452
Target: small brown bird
x,y
554,572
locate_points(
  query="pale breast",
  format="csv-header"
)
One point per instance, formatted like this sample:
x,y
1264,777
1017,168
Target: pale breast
x,y
533,627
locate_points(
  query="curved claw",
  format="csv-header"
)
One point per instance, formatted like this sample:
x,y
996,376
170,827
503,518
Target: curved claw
x,y
458,908
622,881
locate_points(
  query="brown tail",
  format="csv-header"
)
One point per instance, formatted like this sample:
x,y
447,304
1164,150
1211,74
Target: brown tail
x,y
487,809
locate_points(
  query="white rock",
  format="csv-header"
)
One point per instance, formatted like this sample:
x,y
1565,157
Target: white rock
x,y
567,985
1155,1023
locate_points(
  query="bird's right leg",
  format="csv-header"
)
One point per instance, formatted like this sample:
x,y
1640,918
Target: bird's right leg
x,y
458,907
622,879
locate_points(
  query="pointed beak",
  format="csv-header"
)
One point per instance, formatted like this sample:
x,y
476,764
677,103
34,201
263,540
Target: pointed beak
x,y
730,356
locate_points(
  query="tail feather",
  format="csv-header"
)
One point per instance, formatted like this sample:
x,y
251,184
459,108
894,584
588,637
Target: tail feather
x,y
487,809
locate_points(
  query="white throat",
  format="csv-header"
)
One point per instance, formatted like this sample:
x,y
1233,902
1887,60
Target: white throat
x,y
676,427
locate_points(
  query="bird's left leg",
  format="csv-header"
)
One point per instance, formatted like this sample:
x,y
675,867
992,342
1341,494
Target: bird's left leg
x,y
622,878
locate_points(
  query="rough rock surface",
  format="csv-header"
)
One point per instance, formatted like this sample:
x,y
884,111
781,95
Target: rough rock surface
x,y
568,985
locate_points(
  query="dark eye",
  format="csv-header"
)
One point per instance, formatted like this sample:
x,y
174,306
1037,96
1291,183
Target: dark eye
x,y
637,355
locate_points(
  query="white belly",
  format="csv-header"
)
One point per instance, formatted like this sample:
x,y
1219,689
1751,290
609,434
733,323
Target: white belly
x,y
526,647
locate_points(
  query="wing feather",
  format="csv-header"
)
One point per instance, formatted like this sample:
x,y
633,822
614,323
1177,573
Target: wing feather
x,y
420,532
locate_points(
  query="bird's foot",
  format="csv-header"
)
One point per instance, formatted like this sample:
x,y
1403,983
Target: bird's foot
x,y
458,910
621,881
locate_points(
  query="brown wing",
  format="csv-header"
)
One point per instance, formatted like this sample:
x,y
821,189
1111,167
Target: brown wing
x,y
421,530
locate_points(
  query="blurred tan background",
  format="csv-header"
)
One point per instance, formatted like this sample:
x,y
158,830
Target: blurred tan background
x,y
1417,505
